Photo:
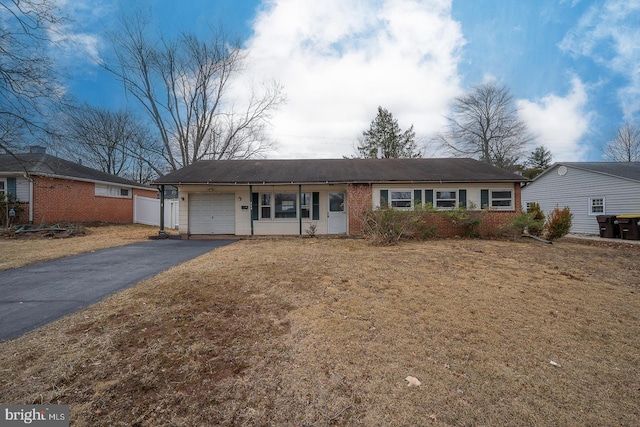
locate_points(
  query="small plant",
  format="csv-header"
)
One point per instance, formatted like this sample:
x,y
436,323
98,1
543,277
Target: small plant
x,y
521,224
558,223
8,202
531,222
313,228
536,226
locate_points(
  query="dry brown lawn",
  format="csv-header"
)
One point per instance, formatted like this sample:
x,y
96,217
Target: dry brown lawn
x,y
26,250
315,332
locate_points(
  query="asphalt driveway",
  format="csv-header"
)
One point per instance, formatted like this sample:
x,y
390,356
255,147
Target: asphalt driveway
x,y
35,295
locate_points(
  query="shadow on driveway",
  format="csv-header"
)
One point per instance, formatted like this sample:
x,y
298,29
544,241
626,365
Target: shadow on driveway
x,y
37,294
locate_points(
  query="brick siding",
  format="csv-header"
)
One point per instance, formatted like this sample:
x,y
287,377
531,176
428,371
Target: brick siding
x,y
492,224
359,200
63,200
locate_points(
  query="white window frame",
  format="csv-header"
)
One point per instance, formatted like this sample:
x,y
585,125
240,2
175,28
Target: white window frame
x,y
115,191
591,206
436,199
293,203
305,208
263,205
3,189
497,199
272,205
400,202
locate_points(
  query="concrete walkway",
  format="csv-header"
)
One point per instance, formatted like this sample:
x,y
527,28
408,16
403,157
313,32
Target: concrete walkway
x,y
35,295
596,237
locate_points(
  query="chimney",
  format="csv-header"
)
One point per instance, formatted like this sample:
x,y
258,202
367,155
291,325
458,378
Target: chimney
x,y
37,149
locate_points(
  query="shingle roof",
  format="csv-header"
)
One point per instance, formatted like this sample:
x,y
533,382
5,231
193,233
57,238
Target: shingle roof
x,y
48,165
338,171
628,170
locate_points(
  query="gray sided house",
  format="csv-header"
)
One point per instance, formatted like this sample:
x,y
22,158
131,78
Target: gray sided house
x,y
291,197
589,189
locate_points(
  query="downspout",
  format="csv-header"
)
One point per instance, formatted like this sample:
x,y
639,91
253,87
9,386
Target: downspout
x,y
161,232
252,207
30,200
300,208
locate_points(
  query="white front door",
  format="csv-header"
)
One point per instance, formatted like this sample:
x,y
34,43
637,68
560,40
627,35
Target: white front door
x,y
337,218
212,213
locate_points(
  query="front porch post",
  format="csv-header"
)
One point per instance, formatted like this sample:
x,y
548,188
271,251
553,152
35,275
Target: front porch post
x,y
161,210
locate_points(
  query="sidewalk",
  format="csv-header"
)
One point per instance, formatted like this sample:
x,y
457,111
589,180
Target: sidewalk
x,y
597,238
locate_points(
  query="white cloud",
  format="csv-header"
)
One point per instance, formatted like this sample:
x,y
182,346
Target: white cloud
x,y
339,60
76,37
560,123
609,33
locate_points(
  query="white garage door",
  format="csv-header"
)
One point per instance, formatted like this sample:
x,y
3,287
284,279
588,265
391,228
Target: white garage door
x,y
212,213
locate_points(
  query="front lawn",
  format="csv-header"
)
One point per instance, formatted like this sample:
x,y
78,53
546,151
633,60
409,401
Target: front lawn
x,y
319,332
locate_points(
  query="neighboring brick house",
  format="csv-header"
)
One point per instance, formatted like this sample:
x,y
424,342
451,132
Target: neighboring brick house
x,y
51,190
287,197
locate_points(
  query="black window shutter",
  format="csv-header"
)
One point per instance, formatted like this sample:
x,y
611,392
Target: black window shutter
x,y
316,205
428,196
384,198
484,199
255,205
417,198
462,198
11,187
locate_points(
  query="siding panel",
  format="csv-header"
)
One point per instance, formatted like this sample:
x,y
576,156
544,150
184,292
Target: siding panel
x,y
574,190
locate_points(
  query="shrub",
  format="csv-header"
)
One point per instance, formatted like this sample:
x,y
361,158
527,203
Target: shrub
x,y
313,228
387,226
467,217
7,202
536,226
518,224
558,223
531,222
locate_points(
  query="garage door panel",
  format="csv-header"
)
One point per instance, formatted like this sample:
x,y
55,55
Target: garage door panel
x,y
212,213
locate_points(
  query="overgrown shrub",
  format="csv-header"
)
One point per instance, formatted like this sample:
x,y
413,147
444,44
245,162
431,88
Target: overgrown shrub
x,y
467,217
558,223
387,226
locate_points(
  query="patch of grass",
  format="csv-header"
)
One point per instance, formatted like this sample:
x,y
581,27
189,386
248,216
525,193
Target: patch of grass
x,y
20,252
324,332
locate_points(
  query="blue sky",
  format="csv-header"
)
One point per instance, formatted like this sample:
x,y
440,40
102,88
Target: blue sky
x,y
572,65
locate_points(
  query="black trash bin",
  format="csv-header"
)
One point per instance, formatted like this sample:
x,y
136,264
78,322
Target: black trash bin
x,y
629,226
608,226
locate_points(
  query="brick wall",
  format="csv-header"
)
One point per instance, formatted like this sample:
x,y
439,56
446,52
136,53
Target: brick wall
x,y
62,200
493,222
359,200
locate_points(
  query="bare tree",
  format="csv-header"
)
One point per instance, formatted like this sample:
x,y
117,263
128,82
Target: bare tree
x,y
183,86
485,125
625,147
111,141
28,86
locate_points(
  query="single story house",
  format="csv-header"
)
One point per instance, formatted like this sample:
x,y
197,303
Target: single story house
x,y
51,190
287,197
589,189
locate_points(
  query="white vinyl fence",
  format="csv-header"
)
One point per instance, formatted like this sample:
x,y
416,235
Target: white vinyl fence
x,y
147,211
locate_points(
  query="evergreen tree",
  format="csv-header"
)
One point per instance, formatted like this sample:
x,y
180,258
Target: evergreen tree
x,y
385,139
537,162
